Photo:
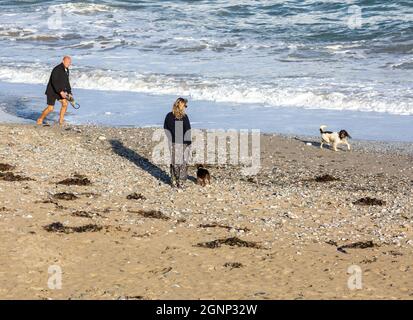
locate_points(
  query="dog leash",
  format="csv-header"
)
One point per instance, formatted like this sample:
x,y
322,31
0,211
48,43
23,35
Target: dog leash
x,y
72,101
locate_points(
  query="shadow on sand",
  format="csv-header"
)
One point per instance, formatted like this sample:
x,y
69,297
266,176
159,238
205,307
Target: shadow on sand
x,y
139,161
315,144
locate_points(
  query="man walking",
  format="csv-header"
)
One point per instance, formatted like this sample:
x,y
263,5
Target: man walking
x,y
58,88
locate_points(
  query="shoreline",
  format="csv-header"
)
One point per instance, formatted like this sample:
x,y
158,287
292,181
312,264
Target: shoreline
x,y
118,231
110,108
376,146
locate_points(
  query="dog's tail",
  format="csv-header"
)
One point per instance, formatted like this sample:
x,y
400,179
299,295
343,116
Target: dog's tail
x,y
322,128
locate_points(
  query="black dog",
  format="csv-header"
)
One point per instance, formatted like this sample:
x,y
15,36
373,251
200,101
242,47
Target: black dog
x,y
202,176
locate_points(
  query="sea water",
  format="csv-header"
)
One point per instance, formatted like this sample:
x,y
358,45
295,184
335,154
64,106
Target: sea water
x,y
278,66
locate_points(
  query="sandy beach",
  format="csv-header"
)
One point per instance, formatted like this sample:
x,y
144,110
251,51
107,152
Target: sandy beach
x,y
90,201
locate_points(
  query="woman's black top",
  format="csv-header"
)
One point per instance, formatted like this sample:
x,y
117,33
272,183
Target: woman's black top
x,y
179,129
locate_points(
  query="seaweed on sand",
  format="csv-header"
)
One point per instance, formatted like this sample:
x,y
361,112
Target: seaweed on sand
x,y
325,178
153,214
77,180
6,167
135,196
65,196
233,242
233,265
216,225
58,227
9,176
85,214
354,245
367,201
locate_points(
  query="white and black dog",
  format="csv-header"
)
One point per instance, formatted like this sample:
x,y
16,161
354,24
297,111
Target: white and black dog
x,y
334,138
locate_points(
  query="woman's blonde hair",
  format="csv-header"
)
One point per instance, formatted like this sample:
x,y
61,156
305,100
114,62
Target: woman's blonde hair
x,y
178,108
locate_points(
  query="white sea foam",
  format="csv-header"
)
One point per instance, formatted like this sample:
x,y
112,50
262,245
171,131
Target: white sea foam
x,y
403,65
219,90
271,53
83,8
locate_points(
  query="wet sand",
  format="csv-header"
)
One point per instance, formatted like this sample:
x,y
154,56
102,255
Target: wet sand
x,y
118,231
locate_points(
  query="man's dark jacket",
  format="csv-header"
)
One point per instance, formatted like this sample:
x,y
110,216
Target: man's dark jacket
x,y
58,82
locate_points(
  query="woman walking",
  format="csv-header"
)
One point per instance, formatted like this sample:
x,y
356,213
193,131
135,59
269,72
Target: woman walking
x,y
178,129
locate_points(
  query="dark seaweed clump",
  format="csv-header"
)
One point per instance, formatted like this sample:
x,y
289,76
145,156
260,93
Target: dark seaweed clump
x,y
153,214
58,227
6,167
354,245
65,196
216,225
85,214
9,176
232,242
325,178
233,265
77,180
135,196
367,201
